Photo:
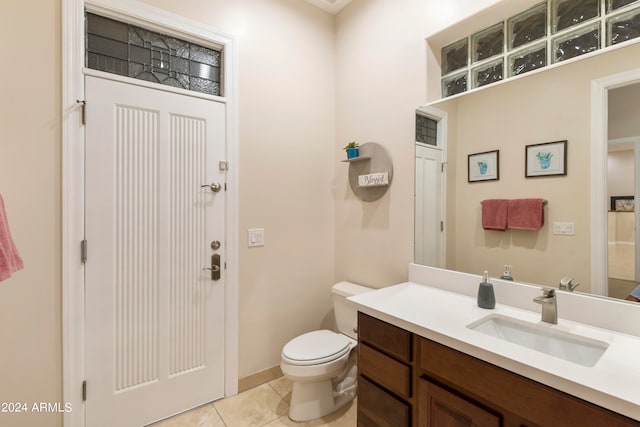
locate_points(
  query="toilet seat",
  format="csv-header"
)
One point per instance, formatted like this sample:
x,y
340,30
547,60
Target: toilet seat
x,y
314,348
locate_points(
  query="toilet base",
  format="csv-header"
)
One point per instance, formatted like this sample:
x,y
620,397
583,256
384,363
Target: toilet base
x,y
311,400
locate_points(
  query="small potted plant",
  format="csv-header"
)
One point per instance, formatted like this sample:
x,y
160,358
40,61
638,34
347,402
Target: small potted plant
x,y
352,150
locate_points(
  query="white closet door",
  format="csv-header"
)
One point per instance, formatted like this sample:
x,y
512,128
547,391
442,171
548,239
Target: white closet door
x,y
154,317
428,231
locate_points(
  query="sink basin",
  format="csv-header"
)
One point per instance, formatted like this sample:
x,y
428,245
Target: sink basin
x,y
543,338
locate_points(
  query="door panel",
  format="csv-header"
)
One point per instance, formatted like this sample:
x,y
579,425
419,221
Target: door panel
x,y
428,234
154,317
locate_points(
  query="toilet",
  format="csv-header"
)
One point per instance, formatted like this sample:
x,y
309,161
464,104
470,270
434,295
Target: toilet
x,y
322,364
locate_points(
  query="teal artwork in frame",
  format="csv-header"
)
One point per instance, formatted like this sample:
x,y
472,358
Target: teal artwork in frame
x,y
484,166
547,159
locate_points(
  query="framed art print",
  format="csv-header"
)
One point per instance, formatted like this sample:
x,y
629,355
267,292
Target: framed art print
x,y
622,203
546,159
484,166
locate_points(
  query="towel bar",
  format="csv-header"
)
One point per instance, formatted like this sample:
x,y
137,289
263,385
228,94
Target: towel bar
x,y
544,202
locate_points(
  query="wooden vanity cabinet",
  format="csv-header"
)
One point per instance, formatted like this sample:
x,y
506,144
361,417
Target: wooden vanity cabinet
x,y
407,380
385,385
517,400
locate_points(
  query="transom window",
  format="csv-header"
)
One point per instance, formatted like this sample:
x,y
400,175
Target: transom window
x,y
127,50
426,130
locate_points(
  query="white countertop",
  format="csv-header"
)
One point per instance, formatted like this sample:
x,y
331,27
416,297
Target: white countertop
x,y
443,316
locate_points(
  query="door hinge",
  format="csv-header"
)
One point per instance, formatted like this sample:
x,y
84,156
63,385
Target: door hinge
x,y
441,226
84,391
225,186
83,251
442,165
84,110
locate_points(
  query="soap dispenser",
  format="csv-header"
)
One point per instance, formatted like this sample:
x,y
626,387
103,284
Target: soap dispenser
x,y
486,296
507,273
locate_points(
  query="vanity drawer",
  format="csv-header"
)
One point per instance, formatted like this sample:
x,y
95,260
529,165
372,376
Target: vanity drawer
x,y
389,373
387,338
376,408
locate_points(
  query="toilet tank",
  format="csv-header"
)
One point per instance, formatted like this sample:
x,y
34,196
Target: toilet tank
x,y
345,312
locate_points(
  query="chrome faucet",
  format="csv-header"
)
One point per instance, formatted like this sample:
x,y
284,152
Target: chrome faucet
x,y
549,305
566,284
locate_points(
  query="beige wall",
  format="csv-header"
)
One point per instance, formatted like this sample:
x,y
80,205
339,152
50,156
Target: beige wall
x,y
550,106
381,80
624,112
30,301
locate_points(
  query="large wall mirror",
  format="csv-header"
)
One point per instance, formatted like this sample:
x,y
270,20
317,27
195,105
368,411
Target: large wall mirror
x,y
550,105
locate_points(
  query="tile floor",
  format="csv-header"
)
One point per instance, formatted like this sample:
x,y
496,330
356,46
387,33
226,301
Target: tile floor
x,y
264,405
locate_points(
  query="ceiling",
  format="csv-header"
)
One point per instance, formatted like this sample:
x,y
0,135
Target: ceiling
x,y
331,6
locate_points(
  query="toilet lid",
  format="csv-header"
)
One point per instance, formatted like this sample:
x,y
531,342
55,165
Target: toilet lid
x,y
316,347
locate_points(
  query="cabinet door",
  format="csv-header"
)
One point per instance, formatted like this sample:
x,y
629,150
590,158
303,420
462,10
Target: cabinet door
x,y
440,408
377,408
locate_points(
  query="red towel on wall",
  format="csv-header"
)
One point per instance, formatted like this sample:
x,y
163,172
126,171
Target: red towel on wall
x,y
526,214
494,214
10,260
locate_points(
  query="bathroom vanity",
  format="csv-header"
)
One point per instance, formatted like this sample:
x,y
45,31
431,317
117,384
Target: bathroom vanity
x,y
421,363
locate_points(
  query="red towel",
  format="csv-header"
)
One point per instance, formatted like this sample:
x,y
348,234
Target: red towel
x,y
10,260
526,214
494,214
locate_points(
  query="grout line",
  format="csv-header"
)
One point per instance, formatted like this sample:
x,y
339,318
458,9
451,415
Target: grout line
x,y
219,414
278,393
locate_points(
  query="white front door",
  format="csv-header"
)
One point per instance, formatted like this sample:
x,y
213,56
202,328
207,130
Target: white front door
x,y
154,318
428,222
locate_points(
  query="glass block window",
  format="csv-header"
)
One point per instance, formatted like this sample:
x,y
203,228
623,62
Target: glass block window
x,y
455,84
576,43
426,130
549,32
617,4
567,13
455,56
527,60
487,43
488,73
527,27
623,27
127,50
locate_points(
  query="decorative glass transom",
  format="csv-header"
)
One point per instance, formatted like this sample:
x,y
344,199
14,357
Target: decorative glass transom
x,y
124,49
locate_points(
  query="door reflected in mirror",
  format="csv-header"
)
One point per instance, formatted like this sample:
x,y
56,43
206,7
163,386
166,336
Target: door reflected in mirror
x,y
622,188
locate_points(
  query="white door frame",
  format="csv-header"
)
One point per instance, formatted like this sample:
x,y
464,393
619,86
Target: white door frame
x,y
73,201
442,117
599,137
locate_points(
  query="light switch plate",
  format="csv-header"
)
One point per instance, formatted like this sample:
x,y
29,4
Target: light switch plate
x,y
255,237
564,228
